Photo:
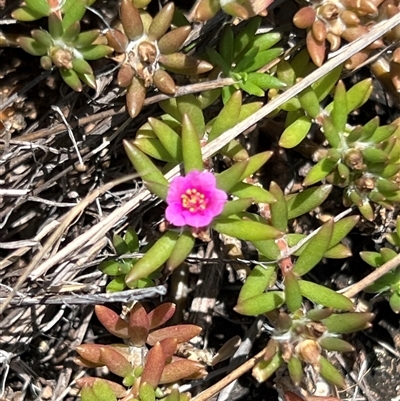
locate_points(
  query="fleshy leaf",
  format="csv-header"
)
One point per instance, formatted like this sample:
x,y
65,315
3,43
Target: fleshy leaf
x,y
279,210
228,116
182,249
358,94
256,283
168,137
258,194
192,158
307,200
261,303
324,296
231,176
154,366
330,373
111,321
295,132
143,165
154,258
348,322
246,230
293,294
314,250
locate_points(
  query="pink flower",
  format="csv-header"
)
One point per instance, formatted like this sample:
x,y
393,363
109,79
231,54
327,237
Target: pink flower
x,y
194,200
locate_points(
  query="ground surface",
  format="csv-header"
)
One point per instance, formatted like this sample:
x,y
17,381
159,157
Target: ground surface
x,y
38,162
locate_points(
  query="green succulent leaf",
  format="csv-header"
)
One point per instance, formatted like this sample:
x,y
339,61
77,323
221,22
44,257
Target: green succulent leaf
x,y
279,210
229,178
40,6
74,13
319,171
85,39
154,148
267,248
109,267
330,132
347,322
117,284
236,206
87,393
339,112
358,94
266,40
257,282
245,38
154,258
121,247
264,81
339,251
26,14
218,60
171,141
251,88
32,46
394,301
226,45
246,230
189,105
71,78
314,250
95,52
309,102
131,239
295,368
330,373
265,369
246,60
295,132
307,200
324,296
258,194
262,59
335,344
324,85
146,392
103,391
342,228
293,293
182,249
382,284
191,151
143,165
254,163
374,155
261,303
228,116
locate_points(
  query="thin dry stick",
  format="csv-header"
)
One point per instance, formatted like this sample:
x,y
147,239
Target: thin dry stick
x,y
56,235
371,278
100,229
235,374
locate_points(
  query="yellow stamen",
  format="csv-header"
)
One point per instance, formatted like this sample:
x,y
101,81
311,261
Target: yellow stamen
x,y
193,200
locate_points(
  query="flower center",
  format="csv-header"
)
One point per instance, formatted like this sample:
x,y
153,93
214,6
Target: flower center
x,y
193,200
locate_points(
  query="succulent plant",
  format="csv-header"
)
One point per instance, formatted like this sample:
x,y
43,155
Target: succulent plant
x,y
118,268
304,338
241,57
150,49
364,160
331,22
243,9
143,370
36,9
388,284
66,47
